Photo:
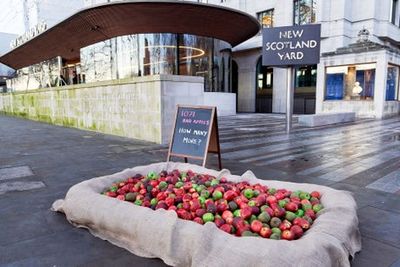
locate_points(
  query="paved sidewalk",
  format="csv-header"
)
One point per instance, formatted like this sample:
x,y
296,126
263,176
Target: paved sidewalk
x,y
40,162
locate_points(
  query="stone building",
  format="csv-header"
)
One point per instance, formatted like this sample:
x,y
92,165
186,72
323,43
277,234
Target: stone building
x,y
360,43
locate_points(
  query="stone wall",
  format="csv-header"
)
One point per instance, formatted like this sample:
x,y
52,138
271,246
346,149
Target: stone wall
x,y
141,108
391,108
124,108
361,108
225,102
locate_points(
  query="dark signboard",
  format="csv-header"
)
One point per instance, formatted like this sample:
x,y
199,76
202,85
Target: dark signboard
x,y
290,46
195,133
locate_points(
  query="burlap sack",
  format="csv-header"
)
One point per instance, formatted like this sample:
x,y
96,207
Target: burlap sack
x,y
147,233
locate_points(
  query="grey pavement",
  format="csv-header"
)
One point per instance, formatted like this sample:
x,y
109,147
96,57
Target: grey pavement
x,y
40,162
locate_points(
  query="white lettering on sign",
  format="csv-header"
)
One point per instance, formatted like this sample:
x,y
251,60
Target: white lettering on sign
x,y
198,132
291,34
192,141
291,55
185,131
290,45
38,29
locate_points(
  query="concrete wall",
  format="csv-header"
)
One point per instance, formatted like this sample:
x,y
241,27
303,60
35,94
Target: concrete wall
x,y
361,108
183,90
141,108
225,102
130,108
391,108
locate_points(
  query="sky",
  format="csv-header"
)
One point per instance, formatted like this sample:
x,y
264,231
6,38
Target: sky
x,y
11,17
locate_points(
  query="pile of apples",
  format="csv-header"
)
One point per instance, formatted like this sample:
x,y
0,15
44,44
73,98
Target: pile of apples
x,y
240,209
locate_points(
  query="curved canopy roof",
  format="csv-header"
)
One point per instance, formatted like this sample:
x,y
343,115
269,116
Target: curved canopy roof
x,y
103,22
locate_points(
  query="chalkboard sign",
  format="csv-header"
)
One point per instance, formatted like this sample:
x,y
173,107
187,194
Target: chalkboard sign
x,y
195,133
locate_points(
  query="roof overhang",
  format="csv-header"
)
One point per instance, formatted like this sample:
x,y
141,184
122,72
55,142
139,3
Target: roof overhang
x,y
103,22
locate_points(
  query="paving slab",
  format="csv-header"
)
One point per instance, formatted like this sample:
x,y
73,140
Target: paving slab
x,y
20,186
375,253
14,172
61,157
380,225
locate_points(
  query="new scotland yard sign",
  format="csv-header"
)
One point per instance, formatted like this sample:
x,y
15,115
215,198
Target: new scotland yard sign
x,y
292,45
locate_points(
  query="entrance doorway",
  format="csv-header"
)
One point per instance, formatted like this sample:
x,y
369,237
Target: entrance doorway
x,y
235,80
264,85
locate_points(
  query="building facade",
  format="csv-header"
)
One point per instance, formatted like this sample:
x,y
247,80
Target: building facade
x,y
125,65
360,43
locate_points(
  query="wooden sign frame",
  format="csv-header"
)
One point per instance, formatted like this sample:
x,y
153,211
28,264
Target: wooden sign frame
x,y
212,144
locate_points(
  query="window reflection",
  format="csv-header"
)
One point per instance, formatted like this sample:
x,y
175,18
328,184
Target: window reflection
x,y
127,56
146,54
157,54
195,57
304,12
41,75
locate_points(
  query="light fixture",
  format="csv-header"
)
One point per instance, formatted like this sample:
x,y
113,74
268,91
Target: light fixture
x,y
366,66
339,69
199,52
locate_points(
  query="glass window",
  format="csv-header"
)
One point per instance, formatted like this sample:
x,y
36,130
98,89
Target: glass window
x,y
306,76
392,83
304,12
355,82
266,18
127,56
157,54
222,52
265,76
393,11
96,62
195,58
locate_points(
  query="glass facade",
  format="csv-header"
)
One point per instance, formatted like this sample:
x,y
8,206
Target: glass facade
x,y
159,53
354,82
304,11
42,75
136,55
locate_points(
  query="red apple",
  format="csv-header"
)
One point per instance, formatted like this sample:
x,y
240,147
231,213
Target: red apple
x,y
265,232
297,230
287,235
291,206
256,226
226,228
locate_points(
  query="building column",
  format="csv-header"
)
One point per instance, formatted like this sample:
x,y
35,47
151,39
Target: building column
x,y
246,89
380,85
279,90
320,88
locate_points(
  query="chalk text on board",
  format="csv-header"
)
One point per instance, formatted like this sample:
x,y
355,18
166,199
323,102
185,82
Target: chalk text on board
x,y
185,131
198,132
186,113
193,141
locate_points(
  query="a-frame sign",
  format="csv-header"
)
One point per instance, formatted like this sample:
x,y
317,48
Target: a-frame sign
x,y
195,133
